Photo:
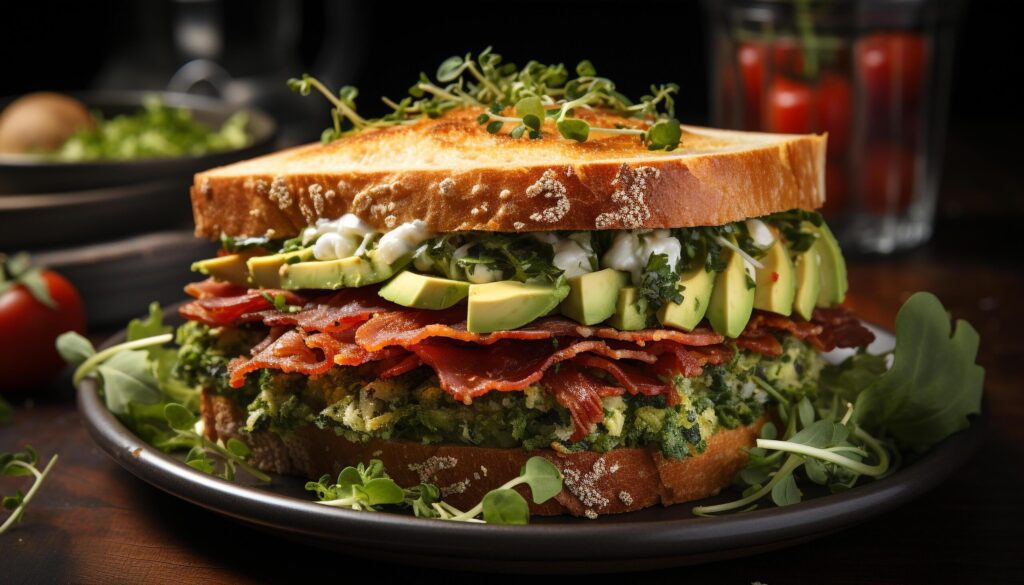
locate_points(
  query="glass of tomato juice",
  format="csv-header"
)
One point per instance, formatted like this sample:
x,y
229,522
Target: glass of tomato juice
x,y
873,74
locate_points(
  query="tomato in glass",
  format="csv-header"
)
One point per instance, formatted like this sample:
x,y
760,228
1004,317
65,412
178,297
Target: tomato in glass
x,y
751,58
888,178
892,67
29,328
834,112
790,106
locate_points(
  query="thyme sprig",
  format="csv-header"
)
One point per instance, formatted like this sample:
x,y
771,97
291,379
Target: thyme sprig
x,y
527,100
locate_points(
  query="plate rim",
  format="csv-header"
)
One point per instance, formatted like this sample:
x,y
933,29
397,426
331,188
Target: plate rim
x,y
636,541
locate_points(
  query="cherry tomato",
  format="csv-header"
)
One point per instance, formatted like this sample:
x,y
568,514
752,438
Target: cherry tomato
x,y
892,66
28,330
888,178
835,111
751,59
791,105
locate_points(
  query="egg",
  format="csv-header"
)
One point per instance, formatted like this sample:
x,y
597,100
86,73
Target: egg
x,y
41,122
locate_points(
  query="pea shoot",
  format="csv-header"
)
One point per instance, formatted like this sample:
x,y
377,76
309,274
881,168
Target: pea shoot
x,y
532,101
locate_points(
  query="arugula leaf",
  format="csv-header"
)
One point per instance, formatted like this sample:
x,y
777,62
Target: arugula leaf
x,y
127,379
934,383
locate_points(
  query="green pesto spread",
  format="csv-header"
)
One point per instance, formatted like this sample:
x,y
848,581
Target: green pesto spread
x,y
355,405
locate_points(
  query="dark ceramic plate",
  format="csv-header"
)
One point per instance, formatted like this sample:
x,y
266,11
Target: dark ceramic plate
x,y
652,538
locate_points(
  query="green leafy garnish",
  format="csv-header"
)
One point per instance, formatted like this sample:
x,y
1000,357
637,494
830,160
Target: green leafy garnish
x,y
927,395
934,383
522,100
369,488
659,282
18,270
22,463
157,130
138,386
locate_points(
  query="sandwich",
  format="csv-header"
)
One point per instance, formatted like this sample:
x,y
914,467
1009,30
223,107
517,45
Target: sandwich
x,y
493,273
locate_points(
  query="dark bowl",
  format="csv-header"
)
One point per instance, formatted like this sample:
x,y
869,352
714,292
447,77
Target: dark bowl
x,y
26,174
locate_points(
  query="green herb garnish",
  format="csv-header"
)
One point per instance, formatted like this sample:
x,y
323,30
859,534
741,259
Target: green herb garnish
x,y
659,282
531,101
156,131
932,388
369,488
22,463
139,388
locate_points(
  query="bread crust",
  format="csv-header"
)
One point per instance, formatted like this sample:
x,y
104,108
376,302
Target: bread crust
x,y
621,480
452,174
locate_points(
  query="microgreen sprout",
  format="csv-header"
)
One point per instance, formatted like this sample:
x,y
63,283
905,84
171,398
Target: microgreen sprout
x,y
368,488
22,463
531,101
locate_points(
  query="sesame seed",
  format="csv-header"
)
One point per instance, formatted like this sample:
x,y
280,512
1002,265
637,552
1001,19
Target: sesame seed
x,y
279,193
584,485
626,498
504,194
592,515
548,186
631,185
427,471
518,225
446,186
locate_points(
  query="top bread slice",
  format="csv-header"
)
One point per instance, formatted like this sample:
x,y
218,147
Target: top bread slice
x,y
452,174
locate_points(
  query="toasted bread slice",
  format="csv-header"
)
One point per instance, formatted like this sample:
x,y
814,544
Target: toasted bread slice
x,y
454,175
620,480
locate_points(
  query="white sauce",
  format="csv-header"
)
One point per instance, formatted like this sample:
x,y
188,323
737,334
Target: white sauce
x,y
480,274
402,240
630,251
760,233
338,238
569,256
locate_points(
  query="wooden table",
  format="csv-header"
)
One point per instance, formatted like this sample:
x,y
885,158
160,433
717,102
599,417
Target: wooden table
x,y
94,523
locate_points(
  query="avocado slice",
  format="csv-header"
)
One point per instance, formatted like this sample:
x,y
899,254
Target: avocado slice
x,y
265,271
592,296
350,272
808,282
508,304
419,291
695,286
230,268
776,282
833,269
732,298
630,310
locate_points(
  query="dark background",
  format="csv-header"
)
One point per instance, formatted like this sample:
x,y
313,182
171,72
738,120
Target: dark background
x,y
97,520
381,47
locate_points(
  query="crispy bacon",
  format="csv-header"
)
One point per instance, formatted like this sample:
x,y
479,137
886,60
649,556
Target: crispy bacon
x,y
580,394
676,358
760,341
339,311
633,379
411,326
221,311
840,329
213,288
398,365
287,352
469,371
697,337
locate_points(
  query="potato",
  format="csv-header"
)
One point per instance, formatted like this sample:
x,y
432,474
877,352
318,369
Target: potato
x,y
41,122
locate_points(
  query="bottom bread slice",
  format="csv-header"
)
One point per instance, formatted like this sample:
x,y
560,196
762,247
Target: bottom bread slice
x,y
613,482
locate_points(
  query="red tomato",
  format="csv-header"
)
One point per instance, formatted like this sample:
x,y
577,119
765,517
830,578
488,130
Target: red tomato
x,y
835,112
888,178
751,59
788,57
791,105
892,67
28,329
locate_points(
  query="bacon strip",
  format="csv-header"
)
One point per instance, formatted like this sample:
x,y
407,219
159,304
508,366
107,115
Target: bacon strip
x,y
469,371
760,341
222,311
675,358
634,380
213,288
841,328
578,393
412,326
287,352
337,312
